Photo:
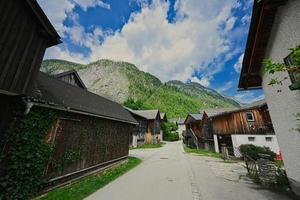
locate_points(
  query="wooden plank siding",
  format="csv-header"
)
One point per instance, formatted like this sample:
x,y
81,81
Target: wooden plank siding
x,y
22,46
236,123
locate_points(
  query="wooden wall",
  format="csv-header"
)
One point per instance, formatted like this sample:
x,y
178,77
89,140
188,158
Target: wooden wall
x,y
87,141
236,123
22,46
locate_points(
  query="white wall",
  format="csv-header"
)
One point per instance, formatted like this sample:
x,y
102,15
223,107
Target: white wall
x,y
284,104
259,140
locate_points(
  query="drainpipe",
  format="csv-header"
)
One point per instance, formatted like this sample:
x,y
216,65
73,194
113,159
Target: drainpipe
x,y
28,105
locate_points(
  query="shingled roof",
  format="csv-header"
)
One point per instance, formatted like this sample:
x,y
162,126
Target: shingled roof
x,y
147,114
58,94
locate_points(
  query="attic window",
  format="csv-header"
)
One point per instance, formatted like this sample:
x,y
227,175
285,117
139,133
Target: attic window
x,y
250,117
251,139
294,74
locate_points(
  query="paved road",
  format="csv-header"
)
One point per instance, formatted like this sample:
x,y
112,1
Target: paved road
x,y
169,173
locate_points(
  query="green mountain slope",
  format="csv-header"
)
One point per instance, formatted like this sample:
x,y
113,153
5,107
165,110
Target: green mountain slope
x,y
125,83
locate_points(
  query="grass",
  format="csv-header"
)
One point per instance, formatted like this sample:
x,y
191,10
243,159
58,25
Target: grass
x,y
147,146
90,184
202,152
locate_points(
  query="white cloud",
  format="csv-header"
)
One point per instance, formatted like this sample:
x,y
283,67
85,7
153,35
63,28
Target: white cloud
x,y
226,87
238,66
59,10
85,4
246,19
205,81
247,97
195,41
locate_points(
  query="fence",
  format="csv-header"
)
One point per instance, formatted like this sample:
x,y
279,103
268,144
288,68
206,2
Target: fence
x,y
264,169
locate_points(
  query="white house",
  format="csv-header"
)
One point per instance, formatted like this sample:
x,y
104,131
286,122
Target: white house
x,y
275,27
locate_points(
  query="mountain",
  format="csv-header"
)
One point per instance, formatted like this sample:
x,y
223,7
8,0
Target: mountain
x,y
126,84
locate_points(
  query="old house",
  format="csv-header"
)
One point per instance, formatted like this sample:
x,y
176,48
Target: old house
x,y
72,78
148,130
193,130
180,124
137,136
96,128
25,34
250,124
275,28
69,131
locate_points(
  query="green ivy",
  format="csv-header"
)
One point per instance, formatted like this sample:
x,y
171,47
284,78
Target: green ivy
x,y
26,156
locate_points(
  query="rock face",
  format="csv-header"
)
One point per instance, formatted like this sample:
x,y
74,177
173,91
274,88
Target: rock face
x,y
121,81
106,80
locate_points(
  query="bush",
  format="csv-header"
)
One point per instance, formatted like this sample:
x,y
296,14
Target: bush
x,y
169,129
171,137
254,151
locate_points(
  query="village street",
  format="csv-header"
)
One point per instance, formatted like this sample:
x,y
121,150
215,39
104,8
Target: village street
x,y
169,173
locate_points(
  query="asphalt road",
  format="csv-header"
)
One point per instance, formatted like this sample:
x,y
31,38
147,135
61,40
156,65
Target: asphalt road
x,y
169,173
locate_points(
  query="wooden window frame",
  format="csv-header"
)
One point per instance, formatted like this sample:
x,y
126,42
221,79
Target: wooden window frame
x,y
252,114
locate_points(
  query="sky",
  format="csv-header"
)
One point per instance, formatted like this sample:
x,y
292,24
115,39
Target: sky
x,y
188,40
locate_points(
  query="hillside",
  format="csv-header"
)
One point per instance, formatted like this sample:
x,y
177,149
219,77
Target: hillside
x,y
125,83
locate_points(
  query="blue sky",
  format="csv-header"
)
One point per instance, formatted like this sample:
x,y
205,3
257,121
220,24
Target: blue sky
x,y
189,40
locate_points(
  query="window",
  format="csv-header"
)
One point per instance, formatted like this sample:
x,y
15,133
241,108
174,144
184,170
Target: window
x,y
269,139
294,74
251,139
250,117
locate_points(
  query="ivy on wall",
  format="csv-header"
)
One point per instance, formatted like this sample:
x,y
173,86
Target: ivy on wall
x,y
26,155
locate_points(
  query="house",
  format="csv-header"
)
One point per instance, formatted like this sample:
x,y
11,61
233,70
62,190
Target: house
x,y
90,125
275,27
137,136
87,132
193,130
180,124
25,34
250,124
148,130
72,78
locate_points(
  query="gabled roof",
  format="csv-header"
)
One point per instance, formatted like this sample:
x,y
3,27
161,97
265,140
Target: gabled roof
x,y
76,76
44,21
196,116
223,111
57,94
193,117
216,111
263,15
147,114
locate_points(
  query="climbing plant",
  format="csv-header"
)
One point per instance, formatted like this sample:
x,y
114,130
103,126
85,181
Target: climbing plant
x,y
273,68
26,155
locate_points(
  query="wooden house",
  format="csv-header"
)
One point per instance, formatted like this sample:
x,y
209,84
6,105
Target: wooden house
x,y
87,132
72,78
148,130
26,32
96,128
193,130
274,29
247,125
